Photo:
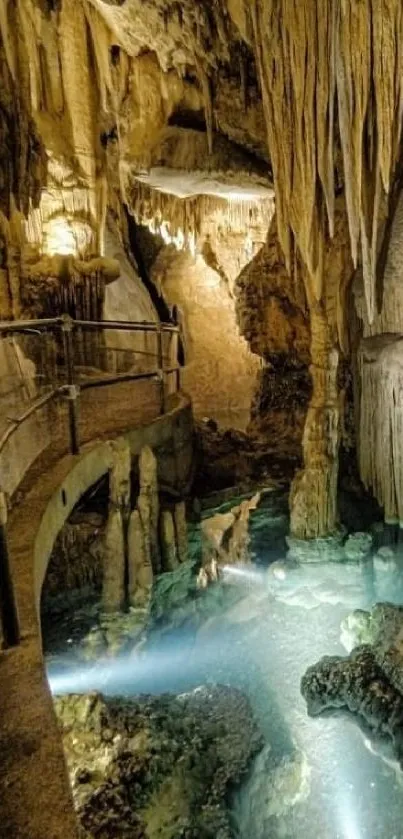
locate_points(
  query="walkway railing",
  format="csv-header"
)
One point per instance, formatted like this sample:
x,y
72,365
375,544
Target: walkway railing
x,y
78,377
58,360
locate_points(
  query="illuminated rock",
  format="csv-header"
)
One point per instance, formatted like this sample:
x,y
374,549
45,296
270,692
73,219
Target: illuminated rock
x,y
140,571
113,586
162,743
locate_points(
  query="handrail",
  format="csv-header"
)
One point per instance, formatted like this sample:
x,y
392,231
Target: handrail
x,y
15,423
46,323
140,326
20,325
71,390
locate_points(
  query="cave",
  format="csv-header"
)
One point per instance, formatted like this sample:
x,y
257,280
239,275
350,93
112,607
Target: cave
x,y
201,410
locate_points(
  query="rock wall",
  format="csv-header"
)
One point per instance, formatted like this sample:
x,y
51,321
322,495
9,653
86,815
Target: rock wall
x,y
274,318
221,372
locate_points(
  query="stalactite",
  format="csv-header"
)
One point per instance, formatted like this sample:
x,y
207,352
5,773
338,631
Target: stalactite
x,y
307,55
208,101
101,40
6,37
181,220
381,422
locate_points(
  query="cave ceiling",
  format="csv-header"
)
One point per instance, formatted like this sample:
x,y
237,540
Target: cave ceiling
x,y
281,83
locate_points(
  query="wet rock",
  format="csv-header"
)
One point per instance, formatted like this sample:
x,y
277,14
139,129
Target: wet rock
x,y
157,766
326,549
385,560
168,541
181,531
370,681
358,547
273,789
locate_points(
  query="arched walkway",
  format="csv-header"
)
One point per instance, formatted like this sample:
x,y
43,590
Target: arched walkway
x,y
35,798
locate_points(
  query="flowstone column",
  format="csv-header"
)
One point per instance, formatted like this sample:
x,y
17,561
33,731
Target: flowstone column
x,y
113,588
313,498
143,546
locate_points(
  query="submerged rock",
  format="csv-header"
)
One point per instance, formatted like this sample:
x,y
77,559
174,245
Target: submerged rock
x,y
157,766
272,791
358,546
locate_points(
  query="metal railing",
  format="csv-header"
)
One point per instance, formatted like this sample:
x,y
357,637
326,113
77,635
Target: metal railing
x,y
64,327
78,361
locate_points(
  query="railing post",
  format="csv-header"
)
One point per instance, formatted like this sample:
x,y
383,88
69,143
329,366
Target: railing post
x,y
72,389
161,368
8,609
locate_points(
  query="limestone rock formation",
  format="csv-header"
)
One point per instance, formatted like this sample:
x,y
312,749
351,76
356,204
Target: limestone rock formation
x,y
156,765
140,571
186,116
181,531
148,505
225,539
114,576
77,556
369,682
168,541
113,588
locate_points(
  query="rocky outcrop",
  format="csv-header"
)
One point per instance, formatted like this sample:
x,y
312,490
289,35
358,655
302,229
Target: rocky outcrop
x,y
225,540
274,318
220,370
369,682
156,766
77,557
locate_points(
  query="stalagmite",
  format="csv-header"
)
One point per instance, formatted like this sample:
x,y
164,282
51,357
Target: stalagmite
x,y
313,497
168,541
148,504
140,572
119,478
181,531
113,587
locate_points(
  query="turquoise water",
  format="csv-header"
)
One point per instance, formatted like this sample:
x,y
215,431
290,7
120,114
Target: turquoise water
x,y
321,778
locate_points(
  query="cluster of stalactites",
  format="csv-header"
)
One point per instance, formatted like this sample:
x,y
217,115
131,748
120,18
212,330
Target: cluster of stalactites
x,y
328,65
183,221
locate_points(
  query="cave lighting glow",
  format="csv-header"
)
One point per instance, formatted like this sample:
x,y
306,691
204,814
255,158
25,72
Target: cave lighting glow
x,y
153,670
242,574
178,239
60,238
